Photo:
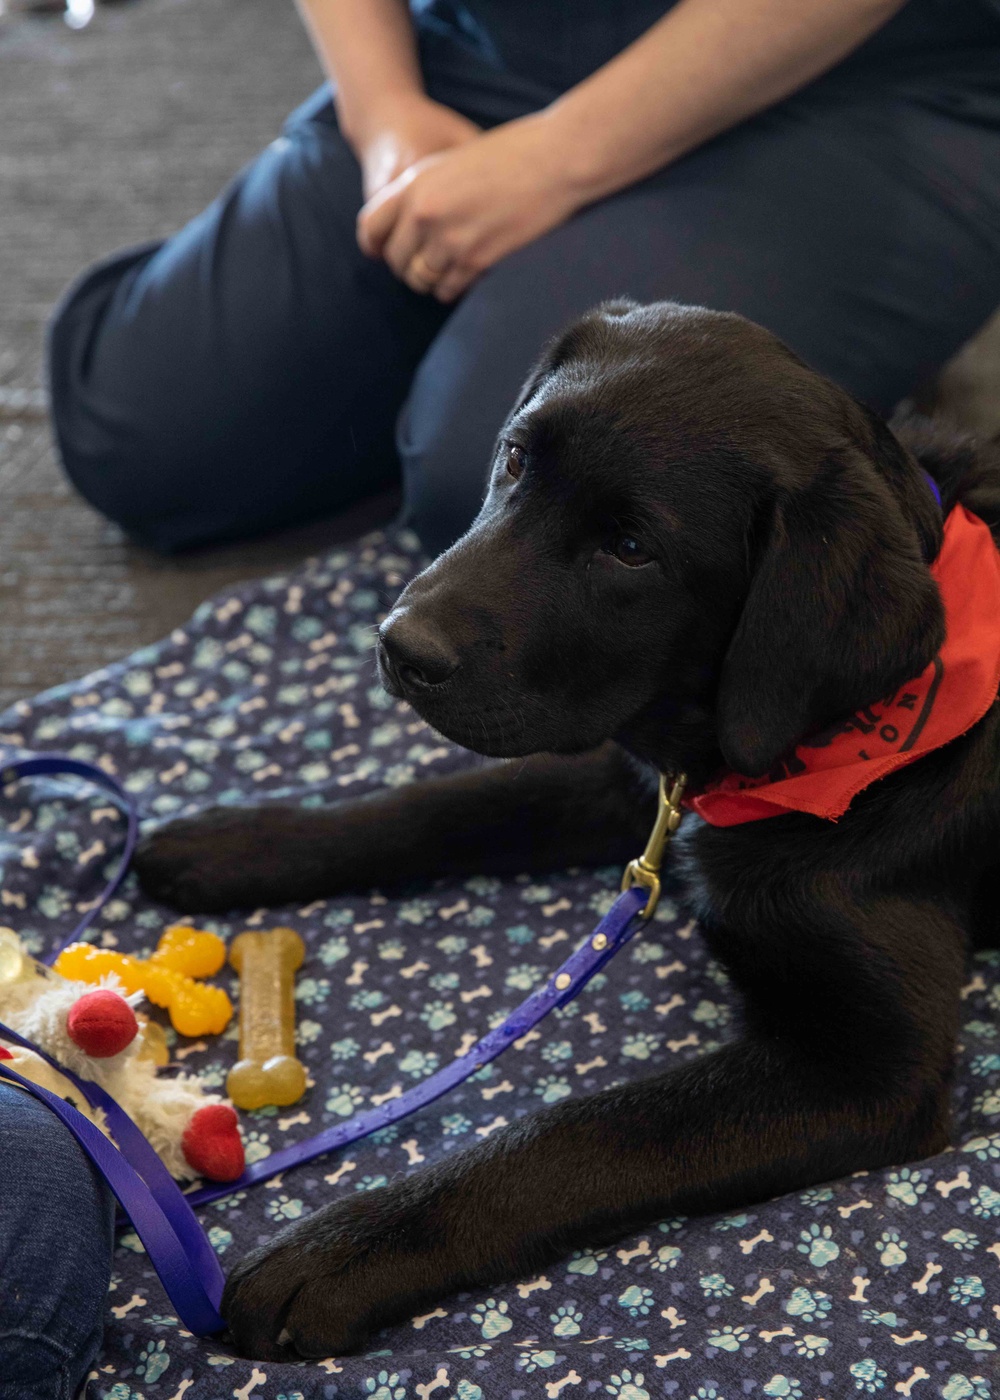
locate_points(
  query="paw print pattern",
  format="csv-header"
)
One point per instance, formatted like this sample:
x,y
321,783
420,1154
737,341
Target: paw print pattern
x,y
627,1386
986,1203
385,1386
586,1261
256,1145
419,1063
455,1124
818,1243
344,1099
966,1290
566,1320
533,1360
491,1318
553,1087
961,1239
959,1387
283,1208
817,1195
974,1339
438,1014
868,1376
636,1301
879,1319
808,1304
219,1239
640,1046
152,1362
987,1103
892,1249
906,1186
472,1352
811,1345
728,1338
783,1388
715,1286
985,1149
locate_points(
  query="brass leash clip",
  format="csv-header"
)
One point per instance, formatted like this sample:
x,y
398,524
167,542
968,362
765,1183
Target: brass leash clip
x,y
646,870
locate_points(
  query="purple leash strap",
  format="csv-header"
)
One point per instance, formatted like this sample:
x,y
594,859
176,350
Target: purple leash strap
x,y
160,1212
60,763
612,933
193,1283
164,1199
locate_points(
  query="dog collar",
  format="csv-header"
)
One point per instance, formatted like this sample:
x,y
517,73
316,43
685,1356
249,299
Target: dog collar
x,y
935,489
826,771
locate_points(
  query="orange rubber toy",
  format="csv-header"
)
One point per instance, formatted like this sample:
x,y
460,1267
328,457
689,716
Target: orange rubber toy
x,y
167,977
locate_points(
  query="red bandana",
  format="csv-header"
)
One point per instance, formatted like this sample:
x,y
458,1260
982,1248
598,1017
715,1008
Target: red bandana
x,y
826,772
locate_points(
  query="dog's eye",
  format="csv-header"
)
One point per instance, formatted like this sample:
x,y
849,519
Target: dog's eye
x,y
628,550
517,460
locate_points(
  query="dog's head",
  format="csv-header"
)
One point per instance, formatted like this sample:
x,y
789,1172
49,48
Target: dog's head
x,y
690,540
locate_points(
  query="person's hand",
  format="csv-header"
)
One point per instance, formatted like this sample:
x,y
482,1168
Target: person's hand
x,y
406,132
449,217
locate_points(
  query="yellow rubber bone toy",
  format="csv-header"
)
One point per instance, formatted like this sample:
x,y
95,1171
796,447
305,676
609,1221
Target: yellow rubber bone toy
x,y
267,1071
167,977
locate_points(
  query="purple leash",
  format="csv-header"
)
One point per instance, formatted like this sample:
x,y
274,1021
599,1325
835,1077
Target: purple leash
x,y
612,933
160,1212
43,764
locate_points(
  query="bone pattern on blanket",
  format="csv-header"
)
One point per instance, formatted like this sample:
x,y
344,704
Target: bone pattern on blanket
x,y
836,1258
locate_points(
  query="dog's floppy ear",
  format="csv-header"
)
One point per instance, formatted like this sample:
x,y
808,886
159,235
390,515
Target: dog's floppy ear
x,y
841,610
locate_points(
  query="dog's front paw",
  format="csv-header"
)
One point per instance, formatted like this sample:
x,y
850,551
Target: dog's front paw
x,y
225,858
324,1284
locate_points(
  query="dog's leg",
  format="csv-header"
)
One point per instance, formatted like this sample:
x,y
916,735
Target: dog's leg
x,y
985,916
853,1076
537,813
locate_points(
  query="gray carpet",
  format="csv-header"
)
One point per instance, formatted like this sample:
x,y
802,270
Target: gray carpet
x,y
108,136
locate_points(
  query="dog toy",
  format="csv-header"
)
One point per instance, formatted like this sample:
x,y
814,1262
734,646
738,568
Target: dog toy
x,y
96,1033
102,1024
166,977
267,1071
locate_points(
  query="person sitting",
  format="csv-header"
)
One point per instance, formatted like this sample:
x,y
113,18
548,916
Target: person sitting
x,y
476,175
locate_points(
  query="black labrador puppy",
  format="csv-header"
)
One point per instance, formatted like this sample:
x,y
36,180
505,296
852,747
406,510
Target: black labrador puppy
x,y
694,551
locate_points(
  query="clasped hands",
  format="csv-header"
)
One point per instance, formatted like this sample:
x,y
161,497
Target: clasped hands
x,y
446,200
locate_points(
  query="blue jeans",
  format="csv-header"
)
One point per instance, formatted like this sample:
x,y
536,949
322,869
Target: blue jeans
x,y
255,370
56,1238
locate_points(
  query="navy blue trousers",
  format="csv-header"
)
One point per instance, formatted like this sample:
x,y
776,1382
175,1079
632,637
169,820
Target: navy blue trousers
x,y
56,1231
255,370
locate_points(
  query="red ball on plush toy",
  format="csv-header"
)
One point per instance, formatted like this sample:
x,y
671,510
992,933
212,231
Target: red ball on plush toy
x,y
212,1143
101,1023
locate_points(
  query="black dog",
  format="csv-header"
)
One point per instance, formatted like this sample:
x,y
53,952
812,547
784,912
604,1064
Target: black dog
x,y
694,552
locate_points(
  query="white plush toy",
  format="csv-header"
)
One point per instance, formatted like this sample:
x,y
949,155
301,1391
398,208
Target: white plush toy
x,y
95,1032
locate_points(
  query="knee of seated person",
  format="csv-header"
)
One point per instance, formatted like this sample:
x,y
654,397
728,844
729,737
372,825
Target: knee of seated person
x,y
151,479
128,451
56,1236
154,504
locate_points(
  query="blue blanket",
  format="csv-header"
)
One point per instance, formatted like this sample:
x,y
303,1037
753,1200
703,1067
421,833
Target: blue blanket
x,y
886,1282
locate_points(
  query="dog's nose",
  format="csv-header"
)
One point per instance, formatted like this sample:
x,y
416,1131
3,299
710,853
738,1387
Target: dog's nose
x,y
415,653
